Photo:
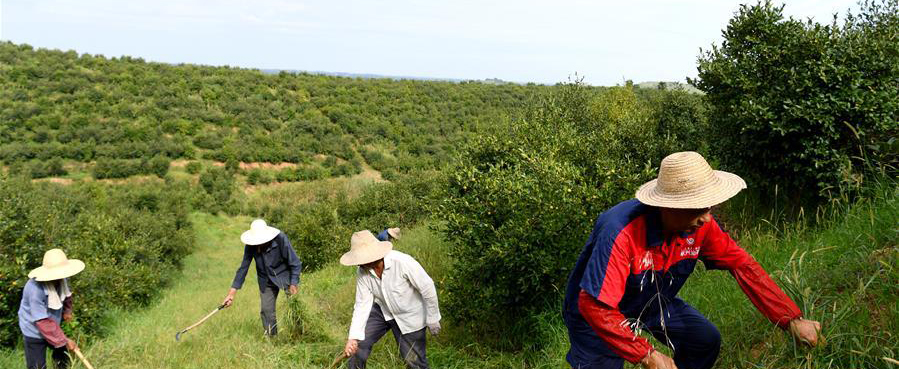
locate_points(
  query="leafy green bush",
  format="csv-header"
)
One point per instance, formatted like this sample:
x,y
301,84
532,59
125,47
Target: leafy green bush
x,y
259,176
40,169
520,201
131,239
805,105
159,166
55,168
220,185
194,167
116,168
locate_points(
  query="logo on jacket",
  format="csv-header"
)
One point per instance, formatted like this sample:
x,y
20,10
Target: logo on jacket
x,y
691,241
690,251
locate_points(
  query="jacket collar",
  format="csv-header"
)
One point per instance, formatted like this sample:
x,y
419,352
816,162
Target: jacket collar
x,y
654,230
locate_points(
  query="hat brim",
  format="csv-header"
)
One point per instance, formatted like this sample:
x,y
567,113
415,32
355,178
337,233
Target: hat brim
x,y
394,232
371,253
726,186
254,238
66,270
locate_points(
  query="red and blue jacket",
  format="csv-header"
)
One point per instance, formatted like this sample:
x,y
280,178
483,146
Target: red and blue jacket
x,y
629,271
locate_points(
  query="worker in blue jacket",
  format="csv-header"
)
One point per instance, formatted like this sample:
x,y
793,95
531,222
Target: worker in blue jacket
x,y
277,268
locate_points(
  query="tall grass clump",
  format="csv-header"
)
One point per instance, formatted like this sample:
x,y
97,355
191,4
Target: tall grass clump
x,y
842,271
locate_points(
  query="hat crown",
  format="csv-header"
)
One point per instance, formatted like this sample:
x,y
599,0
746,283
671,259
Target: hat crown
x,y
685,172
258,225
54,258
361,239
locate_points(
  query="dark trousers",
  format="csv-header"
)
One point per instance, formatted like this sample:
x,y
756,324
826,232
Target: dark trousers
x,y
36,354
412,345
694,339
268,298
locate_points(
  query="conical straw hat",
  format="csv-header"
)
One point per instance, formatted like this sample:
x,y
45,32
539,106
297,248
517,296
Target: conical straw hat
x,y
365,248
686,181
56,266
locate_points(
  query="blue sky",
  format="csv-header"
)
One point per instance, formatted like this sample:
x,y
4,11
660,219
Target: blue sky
x,y
519,40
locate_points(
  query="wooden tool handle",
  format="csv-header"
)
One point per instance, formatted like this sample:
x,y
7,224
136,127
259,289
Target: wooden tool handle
x,y
202,320
83,359
337,360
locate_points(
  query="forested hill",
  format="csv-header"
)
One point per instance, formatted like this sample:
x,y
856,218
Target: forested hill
x,y
56,104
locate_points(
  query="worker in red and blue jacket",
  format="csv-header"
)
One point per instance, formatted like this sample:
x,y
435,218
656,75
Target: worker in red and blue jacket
x,y
638,257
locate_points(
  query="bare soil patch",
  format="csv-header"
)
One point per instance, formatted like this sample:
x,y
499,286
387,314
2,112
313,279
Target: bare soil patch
x,y
62,181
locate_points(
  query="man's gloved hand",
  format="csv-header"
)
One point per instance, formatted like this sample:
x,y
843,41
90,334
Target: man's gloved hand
x,y
434,328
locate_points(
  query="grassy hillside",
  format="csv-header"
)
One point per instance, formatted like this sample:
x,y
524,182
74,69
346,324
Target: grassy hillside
x,y
84,108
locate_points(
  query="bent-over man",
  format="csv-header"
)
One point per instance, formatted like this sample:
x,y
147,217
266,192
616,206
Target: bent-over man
x,y
277,268
638,257
393,292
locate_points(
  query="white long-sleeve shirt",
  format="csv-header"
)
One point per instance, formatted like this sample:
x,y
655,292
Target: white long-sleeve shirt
x,y
404,292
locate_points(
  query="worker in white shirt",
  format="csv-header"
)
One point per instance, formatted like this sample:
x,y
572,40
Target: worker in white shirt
x,y
393,292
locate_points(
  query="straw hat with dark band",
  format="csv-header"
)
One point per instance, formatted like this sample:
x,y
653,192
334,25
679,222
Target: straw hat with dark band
x,y
686,181
365,248
56,266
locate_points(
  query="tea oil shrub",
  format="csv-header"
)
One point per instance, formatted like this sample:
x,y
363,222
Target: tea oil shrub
x,y
131,238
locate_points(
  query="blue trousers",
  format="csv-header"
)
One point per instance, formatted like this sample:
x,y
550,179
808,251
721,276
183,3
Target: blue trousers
x,y
694,339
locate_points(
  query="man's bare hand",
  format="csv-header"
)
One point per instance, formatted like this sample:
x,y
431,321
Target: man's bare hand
x,y
351,347
806,331
68,317
71,345
229,299
292,290
657,360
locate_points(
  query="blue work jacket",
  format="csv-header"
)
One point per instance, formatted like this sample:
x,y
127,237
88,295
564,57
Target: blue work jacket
x,y
276,263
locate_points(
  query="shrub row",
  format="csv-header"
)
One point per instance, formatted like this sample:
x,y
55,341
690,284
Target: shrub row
x,y
132,239
119,168
38,169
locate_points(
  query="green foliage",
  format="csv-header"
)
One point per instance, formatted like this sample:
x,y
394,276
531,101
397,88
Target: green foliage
x,y
116,168
159,166
220,185
841,271
131,239
520,202
320,229
259,176
802,104
123,168
83,107
194,167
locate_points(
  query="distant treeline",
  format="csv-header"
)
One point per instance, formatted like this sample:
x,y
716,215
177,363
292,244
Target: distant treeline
x,y
83,107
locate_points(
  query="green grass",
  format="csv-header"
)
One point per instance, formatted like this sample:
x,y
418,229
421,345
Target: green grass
x,y
843,272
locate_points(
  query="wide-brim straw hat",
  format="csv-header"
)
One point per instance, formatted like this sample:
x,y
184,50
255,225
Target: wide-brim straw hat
x,y
394,232
687,181
259,233
365,248
56,266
